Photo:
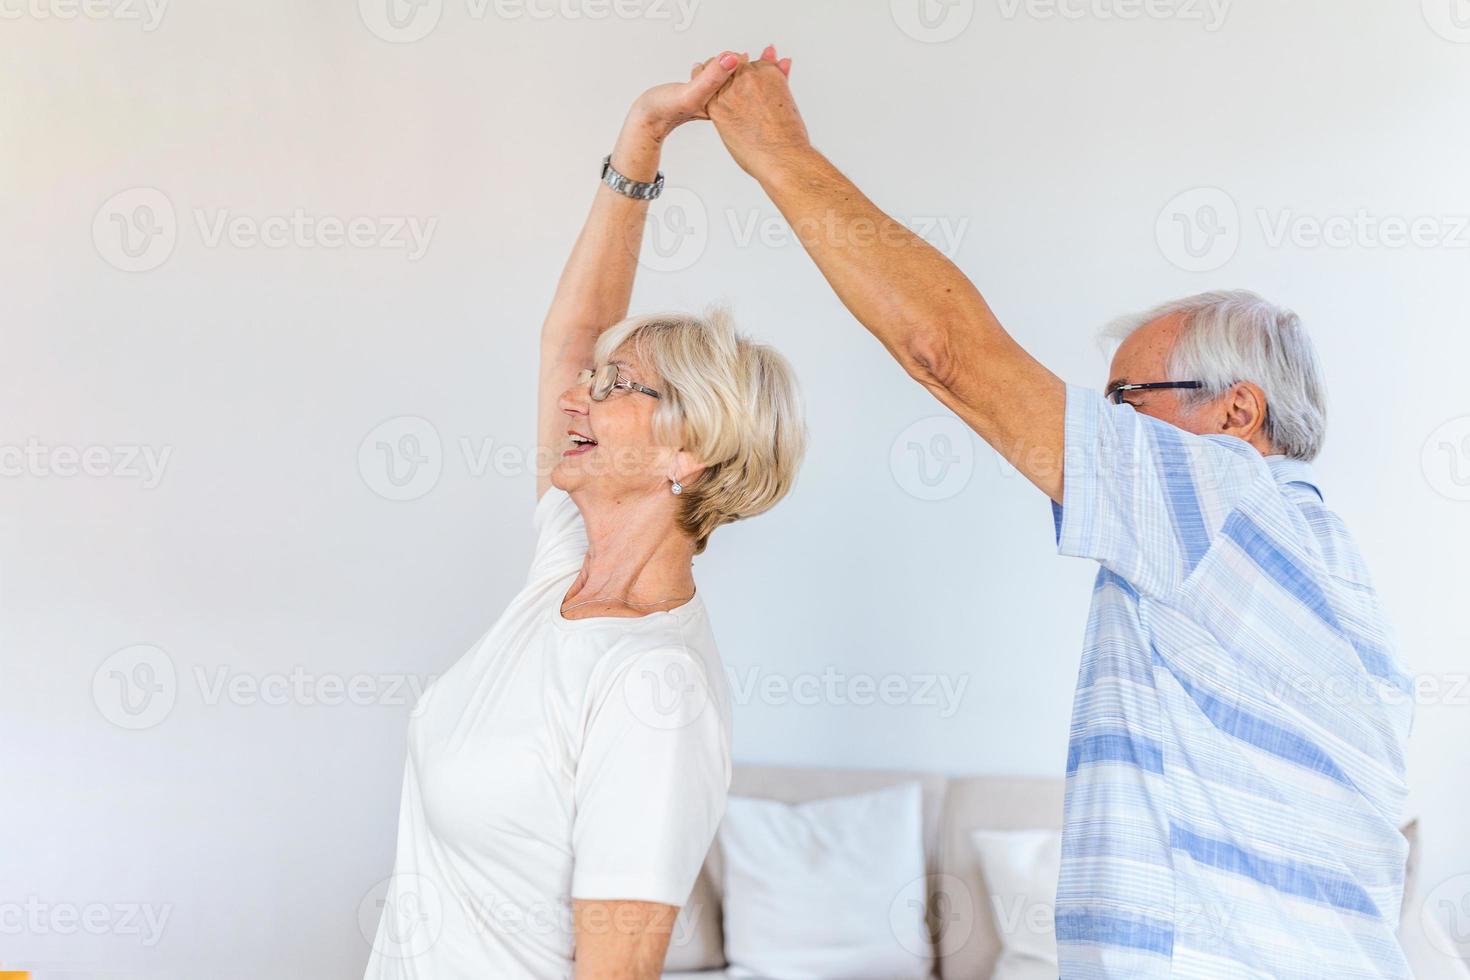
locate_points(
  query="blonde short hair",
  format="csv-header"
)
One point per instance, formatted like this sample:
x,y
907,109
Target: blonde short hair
x,y
728,401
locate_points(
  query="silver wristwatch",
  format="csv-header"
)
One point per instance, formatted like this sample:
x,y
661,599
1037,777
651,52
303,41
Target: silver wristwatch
x,y
636,189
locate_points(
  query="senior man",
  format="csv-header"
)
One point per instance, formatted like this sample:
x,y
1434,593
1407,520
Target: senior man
x,y
1235,772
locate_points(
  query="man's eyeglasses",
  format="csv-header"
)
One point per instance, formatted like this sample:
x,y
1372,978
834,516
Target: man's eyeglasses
x,y
1116,392
605,380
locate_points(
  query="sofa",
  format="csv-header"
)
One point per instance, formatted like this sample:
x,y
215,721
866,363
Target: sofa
x,y
967,944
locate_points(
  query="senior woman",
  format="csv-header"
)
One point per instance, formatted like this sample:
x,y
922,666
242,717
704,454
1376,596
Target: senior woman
x,y
565,778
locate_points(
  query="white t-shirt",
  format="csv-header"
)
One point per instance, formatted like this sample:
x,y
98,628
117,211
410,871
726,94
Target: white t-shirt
x,y
558,759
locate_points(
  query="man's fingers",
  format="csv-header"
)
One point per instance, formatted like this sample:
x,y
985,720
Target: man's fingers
x,y
769,54
712,77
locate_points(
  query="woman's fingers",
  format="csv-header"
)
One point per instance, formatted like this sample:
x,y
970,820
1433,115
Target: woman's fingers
x,y
785,65
707,79
728,57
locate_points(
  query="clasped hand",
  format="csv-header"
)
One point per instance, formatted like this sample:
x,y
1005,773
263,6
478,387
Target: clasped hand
x,y
749,102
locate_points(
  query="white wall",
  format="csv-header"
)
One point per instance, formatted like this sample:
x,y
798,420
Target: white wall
x,y
1052,143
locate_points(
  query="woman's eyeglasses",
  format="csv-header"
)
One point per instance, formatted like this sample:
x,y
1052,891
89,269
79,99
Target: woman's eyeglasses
x,y
1115,392
605,380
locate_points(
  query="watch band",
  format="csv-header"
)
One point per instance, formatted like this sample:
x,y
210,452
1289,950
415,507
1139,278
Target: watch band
x,y
636,189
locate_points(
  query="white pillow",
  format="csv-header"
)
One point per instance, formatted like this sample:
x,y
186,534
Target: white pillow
x,y
1020,868
832,888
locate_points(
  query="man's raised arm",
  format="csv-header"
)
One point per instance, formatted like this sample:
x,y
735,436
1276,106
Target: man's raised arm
x,y
914,300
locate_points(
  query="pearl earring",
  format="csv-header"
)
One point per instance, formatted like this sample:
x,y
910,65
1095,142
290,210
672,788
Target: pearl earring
x,y
677,488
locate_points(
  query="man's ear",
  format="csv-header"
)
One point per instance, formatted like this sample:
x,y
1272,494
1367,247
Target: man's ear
x,y
1244,412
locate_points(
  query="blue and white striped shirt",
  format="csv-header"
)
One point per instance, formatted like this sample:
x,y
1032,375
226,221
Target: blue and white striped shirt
x,y
1235,772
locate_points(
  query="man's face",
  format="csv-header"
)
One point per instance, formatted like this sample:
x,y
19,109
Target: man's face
x,y
1143,358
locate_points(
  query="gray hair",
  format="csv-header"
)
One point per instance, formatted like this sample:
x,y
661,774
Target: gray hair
x,y
1231,336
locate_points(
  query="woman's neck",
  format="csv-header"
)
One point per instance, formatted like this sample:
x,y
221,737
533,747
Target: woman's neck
x,y
638,561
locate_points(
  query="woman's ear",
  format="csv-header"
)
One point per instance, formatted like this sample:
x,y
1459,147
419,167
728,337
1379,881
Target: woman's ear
x,y
686,468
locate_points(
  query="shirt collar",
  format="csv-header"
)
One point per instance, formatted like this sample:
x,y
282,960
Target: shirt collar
x,y
1287,470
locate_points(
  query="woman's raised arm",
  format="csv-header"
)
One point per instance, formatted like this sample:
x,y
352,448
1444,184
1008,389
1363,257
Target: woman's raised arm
x,y
596,284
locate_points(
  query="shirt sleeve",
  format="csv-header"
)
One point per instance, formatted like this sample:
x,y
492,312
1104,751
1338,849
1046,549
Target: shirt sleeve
x,y
651,782
1142,497
561,535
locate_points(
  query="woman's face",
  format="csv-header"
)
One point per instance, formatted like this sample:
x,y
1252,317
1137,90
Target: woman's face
x,y
610,448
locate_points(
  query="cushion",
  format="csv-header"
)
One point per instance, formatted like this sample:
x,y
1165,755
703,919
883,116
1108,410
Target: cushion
x,y
1020,869
1410,831
697,943
967,942
830,888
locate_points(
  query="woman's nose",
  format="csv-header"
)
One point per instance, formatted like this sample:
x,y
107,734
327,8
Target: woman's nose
x,y
574,400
